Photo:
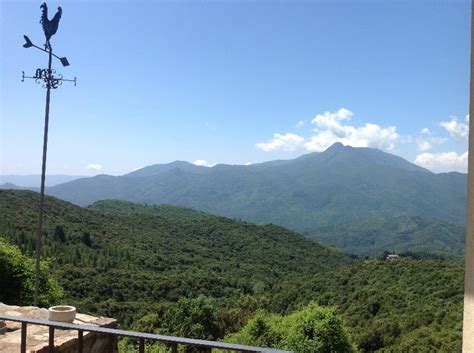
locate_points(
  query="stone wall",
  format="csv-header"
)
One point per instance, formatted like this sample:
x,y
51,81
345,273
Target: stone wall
x,y
65,341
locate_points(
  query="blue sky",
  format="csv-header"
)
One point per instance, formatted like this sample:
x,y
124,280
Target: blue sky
x,y
236,82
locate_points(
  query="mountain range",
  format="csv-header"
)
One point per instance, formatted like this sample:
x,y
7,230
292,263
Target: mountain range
x,y
32,181
338,185
343,196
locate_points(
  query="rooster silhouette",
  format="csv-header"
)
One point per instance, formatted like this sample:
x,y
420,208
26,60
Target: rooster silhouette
x,y
49,27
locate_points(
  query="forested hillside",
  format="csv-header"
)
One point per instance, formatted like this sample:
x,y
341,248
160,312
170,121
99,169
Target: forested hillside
x,y
398,234
341,184
112,259
401,306
150,265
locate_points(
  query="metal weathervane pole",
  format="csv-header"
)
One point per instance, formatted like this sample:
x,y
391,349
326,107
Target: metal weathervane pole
x,y
50,81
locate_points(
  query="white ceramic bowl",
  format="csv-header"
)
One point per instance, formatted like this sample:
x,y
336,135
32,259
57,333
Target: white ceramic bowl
x,y
62,313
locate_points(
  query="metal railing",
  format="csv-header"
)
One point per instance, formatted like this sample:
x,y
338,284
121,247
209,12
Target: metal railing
x,y
173,342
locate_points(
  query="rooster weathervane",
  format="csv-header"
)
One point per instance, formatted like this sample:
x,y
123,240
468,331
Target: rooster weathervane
x,y
50,81
50,27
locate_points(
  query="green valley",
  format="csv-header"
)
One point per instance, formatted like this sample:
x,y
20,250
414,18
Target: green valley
x,y
146,265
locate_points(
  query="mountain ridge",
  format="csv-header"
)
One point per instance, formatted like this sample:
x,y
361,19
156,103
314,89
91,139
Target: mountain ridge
x,y
34,180
338,185
330,152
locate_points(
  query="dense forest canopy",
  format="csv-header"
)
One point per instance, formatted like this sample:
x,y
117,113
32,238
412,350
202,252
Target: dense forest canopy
x,y
17,276
146,265
115,253
371,237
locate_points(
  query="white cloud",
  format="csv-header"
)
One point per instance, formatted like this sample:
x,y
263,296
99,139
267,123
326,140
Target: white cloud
x,y
443,162
369,135
331,128
456,129
93,166
427,144
406,139
249,163
203,163
424,145
425,131
329,119
286,142
438,140
300,123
